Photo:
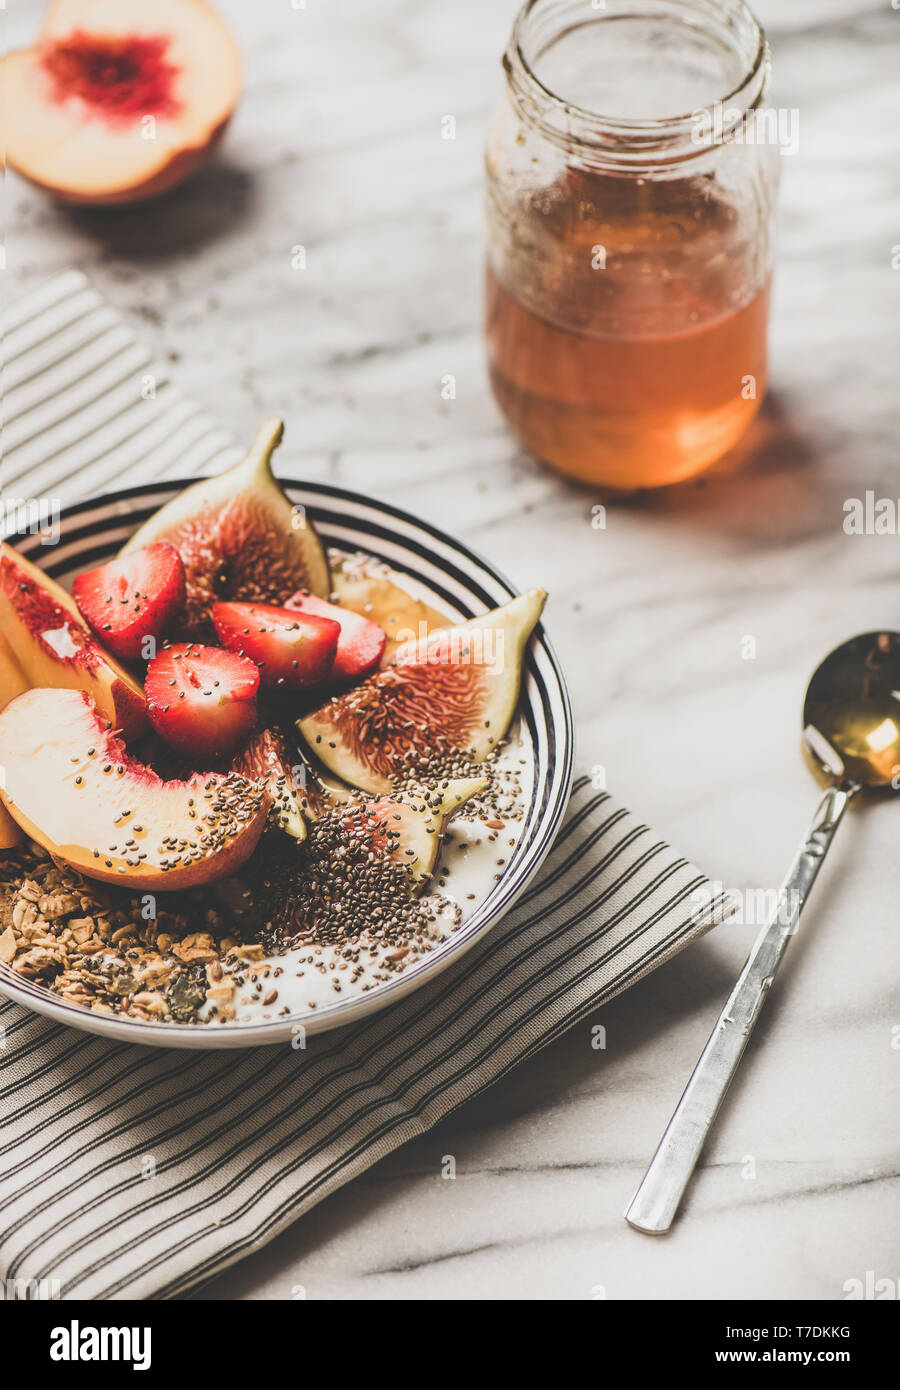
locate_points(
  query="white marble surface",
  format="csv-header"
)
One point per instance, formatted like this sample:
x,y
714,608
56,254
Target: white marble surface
x,y
337,146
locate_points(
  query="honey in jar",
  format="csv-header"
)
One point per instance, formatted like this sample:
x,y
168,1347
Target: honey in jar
x,y
629,261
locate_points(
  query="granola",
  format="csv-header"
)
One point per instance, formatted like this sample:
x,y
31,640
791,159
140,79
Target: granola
x,y
113,951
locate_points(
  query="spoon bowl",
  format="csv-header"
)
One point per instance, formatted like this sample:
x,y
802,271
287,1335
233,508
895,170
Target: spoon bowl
x,y
851,714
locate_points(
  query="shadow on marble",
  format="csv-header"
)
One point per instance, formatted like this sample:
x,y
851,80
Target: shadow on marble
x,y
779,486
213,203
569,1070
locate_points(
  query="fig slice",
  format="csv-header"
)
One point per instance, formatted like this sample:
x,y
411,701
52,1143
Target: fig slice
x,y
54,646
239,538
13,682
453,692
265,756
72,787
119,100
408,828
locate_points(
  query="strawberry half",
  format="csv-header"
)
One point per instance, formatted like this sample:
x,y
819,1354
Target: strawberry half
x,y
361,643
291,649
132,598
201,700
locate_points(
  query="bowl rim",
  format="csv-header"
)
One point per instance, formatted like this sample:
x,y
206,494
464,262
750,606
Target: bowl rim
x,y
520,875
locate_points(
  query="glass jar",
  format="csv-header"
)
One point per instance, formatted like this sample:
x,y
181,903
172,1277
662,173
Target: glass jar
x,y
630,252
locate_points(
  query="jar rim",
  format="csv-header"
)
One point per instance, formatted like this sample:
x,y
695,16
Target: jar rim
x,y
627,142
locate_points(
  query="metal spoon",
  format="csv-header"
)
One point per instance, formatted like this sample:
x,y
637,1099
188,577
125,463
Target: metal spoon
x,y
851,729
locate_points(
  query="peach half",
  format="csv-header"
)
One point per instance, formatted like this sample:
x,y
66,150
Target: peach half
x,y
53,645
71,786
12,683
118,100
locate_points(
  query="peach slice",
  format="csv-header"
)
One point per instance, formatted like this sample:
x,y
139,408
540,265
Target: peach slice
x,y
385,603
13,680
11,834
12,683
118,100
72,787
54,646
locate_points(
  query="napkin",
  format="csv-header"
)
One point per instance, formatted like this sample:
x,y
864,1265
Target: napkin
x,y
134,1172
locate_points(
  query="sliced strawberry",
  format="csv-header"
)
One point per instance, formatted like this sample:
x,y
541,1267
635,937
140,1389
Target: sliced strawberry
x,y
361,643
291,649
201,700
132,598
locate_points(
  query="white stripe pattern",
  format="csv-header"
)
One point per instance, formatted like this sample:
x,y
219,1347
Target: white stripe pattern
x,y
86,407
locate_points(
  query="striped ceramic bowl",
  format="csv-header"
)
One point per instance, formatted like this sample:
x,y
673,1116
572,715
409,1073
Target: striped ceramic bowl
x,y
454,580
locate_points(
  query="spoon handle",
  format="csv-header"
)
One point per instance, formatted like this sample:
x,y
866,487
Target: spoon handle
x,y
656,1201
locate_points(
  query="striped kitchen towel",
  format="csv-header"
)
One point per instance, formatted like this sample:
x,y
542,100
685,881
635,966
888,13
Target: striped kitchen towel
x,y
132,1172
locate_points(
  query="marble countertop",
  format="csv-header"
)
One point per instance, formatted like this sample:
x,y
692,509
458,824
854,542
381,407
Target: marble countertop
x,y
337,147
